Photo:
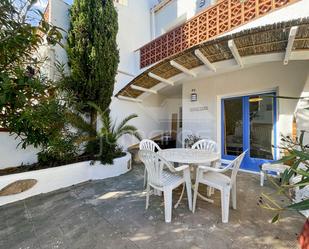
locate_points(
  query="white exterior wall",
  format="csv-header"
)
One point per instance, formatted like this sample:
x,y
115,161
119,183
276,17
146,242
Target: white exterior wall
x,y
150,121
13,155
134,31
285,80
174,12
59,16
302,113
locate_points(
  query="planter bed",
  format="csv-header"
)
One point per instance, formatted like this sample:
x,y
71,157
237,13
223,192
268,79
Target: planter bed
x,y
63,176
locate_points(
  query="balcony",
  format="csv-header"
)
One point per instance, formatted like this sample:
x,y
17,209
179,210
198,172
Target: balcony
x,y
212,22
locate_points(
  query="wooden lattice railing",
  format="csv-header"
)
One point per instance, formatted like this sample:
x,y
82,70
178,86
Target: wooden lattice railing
x,y
213,21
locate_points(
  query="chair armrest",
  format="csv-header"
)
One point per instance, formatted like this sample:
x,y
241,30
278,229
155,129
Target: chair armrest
x,y
207,168
181,168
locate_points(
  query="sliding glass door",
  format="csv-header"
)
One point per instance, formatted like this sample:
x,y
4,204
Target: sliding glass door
x,y
249,123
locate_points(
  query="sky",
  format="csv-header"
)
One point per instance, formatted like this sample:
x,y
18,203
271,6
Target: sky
x,y
41,5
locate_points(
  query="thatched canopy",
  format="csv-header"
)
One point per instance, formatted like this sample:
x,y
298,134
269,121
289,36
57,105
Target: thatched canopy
x,y
262,40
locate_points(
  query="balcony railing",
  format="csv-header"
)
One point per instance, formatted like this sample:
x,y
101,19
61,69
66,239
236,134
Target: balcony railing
x,y
213,21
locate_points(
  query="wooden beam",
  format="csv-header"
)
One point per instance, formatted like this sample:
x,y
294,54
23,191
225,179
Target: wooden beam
x,y
129,99
289,47
203,59
182,68
234,50
139,88
157,77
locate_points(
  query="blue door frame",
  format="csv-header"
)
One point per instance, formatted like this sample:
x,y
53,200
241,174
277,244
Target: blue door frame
x,y
249,163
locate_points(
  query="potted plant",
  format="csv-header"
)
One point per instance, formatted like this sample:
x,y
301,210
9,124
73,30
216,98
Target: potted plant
x,y
190,140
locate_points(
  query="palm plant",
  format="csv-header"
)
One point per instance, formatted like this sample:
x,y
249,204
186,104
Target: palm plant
x,y
104,141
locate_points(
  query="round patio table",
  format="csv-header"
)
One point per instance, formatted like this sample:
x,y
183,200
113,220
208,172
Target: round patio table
x,y
193,157
189,156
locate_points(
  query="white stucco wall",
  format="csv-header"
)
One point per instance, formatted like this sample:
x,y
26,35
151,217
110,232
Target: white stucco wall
x,y
13,155
134,31
302,113
59,16
174,12
285,80
150,121
165,16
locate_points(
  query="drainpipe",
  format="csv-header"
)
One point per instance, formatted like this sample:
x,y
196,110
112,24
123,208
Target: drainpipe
x,y
153,24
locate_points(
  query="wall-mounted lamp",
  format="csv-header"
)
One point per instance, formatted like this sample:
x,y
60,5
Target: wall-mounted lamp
x,y
193,96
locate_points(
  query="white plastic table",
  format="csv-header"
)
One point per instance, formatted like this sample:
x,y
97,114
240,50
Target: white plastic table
x,y
192,157
189,156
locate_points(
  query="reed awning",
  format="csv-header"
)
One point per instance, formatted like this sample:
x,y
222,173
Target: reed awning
x,y
286,37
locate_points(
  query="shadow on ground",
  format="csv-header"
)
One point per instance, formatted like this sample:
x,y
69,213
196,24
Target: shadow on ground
x,y
111,214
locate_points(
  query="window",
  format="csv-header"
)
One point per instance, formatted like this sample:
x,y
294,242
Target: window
x,y
202,3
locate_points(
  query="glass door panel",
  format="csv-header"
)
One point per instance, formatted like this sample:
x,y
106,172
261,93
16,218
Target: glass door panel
x,y
233,126
249,123
261,127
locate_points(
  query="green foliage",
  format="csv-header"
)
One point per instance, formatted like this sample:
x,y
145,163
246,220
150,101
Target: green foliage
x,y
103,143
298,154
60,151
18,38
190,140
93,54
29,104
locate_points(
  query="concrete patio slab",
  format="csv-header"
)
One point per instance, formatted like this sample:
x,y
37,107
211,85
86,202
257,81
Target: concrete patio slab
x,y
111,214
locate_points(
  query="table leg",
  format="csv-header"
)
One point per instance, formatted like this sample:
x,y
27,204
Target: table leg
x,y
204,198
198,194
181,195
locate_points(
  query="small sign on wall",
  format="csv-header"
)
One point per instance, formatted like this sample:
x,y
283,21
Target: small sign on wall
x,y
199,109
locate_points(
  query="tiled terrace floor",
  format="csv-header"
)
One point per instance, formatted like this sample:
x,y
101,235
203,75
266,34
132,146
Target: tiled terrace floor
x,y
111,214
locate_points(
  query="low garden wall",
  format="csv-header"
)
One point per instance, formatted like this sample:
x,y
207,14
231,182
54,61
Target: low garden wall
x,y
63,176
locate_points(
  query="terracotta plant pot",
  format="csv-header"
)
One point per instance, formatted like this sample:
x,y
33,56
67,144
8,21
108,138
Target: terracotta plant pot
x,y
304,236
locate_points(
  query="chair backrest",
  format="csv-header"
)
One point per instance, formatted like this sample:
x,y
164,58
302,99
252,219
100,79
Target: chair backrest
x,y
147,144
154,165
236,165
205,144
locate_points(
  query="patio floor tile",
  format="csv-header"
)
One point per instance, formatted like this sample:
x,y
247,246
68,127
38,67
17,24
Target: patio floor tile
x,y
111,214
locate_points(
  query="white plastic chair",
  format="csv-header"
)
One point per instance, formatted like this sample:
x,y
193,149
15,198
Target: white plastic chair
x,y
210,146
150,145
213,177
205,144
164,177
276,167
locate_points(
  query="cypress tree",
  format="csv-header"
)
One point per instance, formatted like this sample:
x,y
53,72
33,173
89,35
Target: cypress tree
x,y
93,53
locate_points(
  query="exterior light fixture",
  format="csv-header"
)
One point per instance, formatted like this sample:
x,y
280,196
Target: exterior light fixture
x,y
257,99
193,96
